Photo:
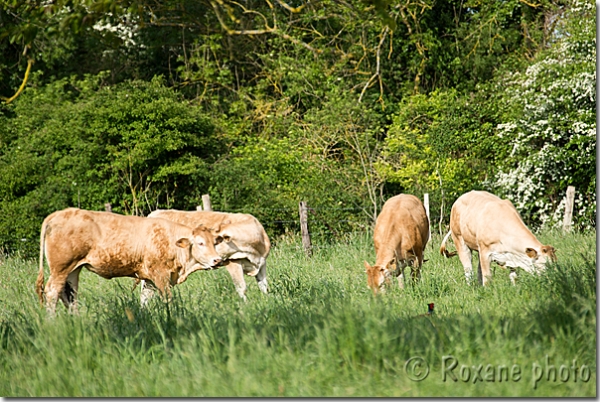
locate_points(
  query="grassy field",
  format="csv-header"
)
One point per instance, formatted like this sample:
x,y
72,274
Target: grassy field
x,y
320,331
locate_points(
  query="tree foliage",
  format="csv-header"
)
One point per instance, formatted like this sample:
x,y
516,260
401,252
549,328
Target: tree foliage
x,y
265,103
135,145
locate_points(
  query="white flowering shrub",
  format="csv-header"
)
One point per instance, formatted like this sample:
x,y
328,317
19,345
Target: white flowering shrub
x,y
126,28
550,121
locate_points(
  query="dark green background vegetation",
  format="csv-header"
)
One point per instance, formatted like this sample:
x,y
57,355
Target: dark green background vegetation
x,y
261,104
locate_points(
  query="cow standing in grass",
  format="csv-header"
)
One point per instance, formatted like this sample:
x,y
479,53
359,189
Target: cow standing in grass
x,y
242,242
112,245
492,226
401,234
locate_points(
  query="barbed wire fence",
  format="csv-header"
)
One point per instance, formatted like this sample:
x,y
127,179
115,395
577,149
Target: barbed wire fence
x,y
342,229
314,228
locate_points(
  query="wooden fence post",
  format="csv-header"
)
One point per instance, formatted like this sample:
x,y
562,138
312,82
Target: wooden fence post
x,y
198,207
206,202
108,207
304,228
426,205
568,219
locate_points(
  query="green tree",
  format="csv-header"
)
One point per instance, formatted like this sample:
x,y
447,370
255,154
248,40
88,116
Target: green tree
x,y
79,143
443,144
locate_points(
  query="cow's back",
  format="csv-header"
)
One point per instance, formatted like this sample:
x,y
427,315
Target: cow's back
x,y
402,221
112,244
482,217
244,227
70,234
107,229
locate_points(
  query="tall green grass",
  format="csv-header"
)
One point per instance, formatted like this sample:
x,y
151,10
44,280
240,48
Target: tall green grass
x,y
320,331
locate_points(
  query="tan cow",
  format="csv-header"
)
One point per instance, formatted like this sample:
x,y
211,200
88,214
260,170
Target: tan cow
x,y
113,245
492,226
401,234
242,242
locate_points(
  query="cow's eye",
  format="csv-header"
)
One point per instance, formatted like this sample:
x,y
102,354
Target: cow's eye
x,y
201,243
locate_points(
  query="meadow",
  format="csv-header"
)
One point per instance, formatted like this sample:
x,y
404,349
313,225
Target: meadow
x,y
320,331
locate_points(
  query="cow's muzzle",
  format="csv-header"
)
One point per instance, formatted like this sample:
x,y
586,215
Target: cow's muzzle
x,y
216,262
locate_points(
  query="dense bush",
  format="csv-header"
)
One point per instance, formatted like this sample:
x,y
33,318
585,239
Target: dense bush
x,y
136,145
443,144
315,158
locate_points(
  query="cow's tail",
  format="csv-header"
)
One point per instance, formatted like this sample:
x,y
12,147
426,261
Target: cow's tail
x,y
443,250
39,283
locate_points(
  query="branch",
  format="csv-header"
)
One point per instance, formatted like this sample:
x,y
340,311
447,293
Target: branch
x,y
530,4
243,31
299,42
266,30
22,87
291,9
377,68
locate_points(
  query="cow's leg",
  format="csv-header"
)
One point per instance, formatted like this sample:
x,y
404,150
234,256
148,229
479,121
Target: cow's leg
x,y
164,288
261,277
54,289
399,271
513,276
484,274
400,277
465,254
69,291
416,268
479,275
236,270
147,293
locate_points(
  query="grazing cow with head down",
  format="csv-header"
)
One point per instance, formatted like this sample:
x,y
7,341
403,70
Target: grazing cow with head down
x,y
401,234
241,240
492,226
113,245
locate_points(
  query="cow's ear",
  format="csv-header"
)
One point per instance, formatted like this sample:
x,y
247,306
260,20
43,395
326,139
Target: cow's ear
x,y
200,228
183,242
548,250
392,262
531,253
367,266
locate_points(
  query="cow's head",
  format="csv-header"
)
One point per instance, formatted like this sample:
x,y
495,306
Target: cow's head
x,y
378,275
539,259
202,244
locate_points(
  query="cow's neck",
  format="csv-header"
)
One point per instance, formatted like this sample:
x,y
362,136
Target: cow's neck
x,y
384,256
513,260
186,264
